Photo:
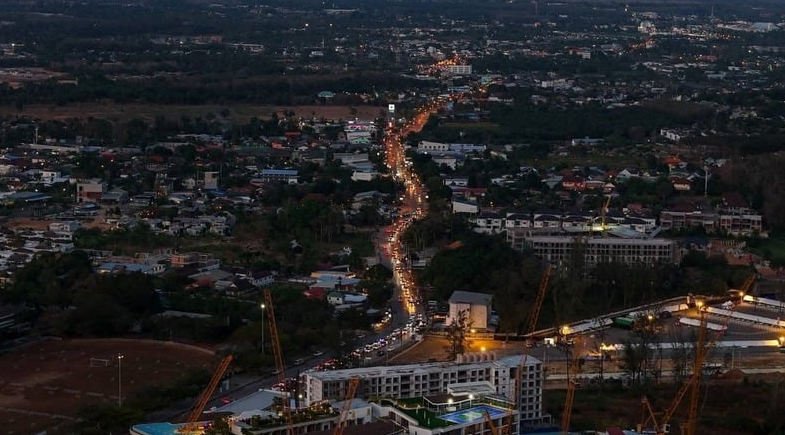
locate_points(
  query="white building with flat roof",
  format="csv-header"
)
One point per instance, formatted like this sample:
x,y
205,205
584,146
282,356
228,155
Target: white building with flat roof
x,y
419,380
475,306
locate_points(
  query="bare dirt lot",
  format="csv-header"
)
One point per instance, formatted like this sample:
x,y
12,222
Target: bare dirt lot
x,y
44,384
238,112
435,348
42,224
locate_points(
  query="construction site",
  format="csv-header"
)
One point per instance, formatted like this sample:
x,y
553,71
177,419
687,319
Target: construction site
x,y
504,388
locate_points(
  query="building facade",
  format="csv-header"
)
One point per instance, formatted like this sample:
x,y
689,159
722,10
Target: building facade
x,y
475,306
560,250
90,190
418,380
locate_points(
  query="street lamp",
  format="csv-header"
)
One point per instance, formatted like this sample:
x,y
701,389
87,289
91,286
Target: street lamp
x,y
262,306
119,380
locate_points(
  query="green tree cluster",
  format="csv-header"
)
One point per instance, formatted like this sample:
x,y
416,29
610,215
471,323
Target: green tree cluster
x,y
72,300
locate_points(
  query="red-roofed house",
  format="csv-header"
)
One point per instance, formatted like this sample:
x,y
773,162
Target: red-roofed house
x,y
681,184
571,182
315,293
671,161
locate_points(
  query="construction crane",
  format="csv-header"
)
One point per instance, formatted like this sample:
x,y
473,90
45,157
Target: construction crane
x,y
537,307
574,364
702,348
347,405
190,424
603,213
531,327
279,364
491,425
701,352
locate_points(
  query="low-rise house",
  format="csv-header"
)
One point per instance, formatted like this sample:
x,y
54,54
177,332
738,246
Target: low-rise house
x,y
488,222
64,226
572,182
115,268
627,173
476,307
114,196
90,190
464,206
681,184
262,278
288,176
518,220
544,220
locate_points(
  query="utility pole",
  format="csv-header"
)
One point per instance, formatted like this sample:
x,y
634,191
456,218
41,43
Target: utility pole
x,y
705,181
119,380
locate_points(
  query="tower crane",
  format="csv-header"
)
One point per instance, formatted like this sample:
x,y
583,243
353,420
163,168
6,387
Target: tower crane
x,y
491,425
347,404
190,424
279,364
571,385
603,213
702,351
702,348
537,307
531,327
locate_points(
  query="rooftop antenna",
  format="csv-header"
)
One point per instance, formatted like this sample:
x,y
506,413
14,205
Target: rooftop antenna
x,y
712,12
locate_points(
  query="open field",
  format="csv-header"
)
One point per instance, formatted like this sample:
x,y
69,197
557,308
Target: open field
x,y
237,112
44,384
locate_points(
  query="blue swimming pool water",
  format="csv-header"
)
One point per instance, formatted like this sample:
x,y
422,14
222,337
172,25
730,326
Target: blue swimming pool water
x,y
155,429
473,414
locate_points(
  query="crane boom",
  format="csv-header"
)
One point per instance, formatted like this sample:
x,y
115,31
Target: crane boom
x,y
702,351
531,327
745,288
702,348
603,213
537,307
201,402
279,364
571,384
347,405
491,425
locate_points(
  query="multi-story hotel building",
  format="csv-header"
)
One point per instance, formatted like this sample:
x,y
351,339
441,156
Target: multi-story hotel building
x,y
419,380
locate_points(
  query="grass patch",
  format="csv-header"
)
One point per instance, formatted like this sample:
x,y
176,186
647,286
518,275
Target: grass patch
x,y
772,249
426,418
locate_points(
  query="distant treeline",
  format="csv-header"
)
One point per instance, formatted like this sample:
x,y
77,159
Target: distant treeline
x,y
525,122
279,90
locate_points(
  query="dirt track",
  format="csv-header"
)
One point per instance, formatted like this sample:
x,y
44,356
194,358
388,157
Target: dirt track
x,y
45,384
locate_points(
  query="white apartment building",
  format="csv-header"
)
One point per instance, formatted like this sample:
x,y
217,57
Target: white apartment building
x,y
431,147
559,249
459,70
418,380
